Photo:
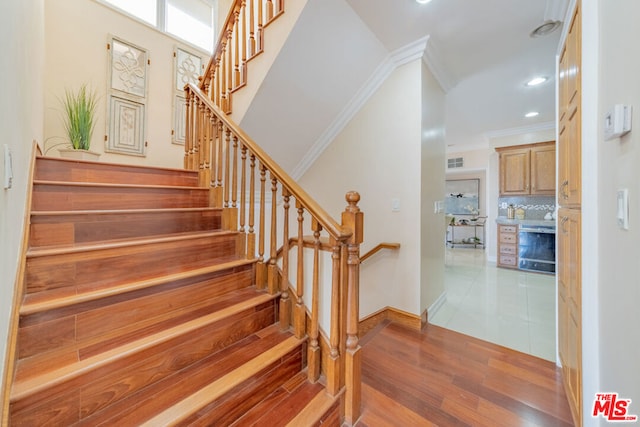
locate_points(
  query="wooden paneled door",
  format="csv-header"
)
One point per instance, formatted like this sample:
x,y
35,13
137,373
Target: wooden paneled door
x,y
569,258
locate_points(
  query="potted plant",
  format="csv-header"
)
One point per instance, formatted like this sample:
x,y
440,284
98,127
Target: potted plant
x,y
79,110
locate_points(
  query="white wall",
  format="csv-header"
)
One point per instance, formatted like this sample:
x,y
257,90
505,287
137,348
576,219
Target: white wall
x,y
611,291
76,39
21,111
431,190
378,155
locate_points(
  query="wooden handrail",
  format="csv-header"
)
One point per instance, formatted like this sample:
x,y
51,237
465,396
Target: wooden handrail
x,y
328,223
381,246
239,41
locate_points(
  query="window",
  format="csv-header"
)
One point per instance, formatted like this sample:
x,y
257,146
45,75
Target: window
x,y
189,20
147,10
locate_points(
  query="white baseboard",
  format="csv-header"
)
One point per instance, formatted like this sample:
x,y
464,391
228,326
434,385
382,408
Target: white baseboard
x,y
437,304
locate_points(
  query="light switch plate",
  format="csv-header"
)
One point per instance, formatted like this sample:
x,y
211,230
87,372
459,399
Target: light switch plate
x,y
623,209
395,205
7,167
617,121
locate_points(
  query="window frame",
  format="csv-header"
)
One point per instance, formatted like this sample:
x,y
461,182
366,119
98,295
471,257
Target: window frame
x,y
161,21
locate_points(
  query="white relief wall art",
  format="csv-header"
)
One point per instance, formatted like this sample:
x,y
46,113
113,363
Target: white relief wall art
x,y
126,130
187,69
128,68
127,99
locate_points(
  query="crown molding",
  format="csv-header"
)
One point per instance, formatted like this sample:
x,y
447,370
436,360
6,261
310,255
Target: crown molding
x,y
520,130
433,59
395,59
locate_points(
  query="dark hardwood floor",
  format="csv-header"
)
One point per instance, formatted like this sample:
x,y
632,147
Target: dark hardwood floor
x,y
440,377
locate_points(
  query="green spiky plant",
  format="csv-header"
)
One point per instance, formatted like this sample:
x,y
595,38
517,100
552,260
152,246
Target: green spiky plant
x,y
79,116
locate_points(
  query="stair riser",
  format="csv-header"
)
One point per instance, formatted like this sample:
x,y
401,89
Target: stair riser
x,y
94,390
72,273
50,169
177,387
54,197
76,327
55,230
243,397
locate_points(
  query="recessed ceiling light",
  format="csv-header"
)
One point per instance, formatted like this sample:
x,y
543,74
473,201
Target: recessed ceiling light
x,y
536,81
531,114
423,1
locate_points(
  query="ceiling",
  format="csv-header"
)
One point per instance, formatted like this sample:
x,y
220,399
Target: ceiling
x,y
484,55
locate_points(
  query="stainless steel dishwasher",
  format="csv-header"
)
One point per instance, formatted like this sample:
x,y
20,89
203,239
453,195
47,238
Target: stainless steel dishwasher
x,y
537,248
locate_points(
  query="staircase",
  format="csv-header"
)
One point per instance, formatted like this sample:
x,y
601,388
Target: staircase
x,y
140,309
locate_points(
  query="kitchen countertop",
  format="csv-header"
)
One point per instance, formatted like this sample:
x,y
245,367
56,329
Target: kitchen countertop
x,y
504,221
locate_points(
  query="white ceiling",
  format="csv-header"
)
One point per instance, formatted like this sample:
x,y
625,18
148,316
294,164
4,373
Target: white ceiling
x,y
484,49
481,50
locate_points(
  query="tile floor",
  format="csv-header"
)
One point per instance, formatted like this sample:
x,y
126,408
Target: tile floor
x,y
512,308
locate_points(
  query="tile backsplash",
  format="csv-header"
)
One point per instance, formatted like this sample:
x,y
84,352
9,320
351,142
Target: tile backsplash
x,y
535,207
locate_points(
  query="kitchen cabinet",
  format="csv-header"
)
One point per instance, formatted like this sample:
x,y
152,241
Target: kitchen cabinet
x,y
528,170
508,246
569,259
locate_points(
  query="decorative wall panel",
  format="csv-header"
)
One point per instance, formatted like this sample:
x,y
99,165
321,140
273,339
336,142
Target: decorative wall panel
x,y
127,98
187,68
126,130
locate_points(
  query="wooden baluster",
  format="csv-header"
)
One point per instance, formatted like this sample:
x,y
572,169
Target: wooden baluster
x,y
243,65
206,148
313,353
333,360
285,301
251,238
196,148
269,10
236,52
260,26
227,213
252,26
227,164
261,270
352,218
234,177
273,283
188,143
299,315
223,78
229,71
243,188
217,196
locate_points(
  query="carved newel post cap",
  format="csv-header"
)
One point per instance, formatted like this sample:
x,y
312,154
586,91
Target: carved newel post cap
x,y
352,197
353,218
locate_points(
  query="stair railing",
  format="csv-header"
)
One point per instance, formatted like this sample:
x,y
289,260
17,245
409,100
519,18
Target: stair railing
x,y
238,171
240,40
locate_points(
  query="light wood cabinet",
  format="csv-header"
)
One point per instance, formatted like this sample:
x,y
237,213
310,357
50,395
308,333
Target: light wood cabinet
x,y
528,170
508,246
568,253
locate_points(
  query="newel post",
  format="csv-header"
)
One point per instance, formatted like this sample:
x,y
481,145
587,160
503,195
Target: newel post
x,y
353,219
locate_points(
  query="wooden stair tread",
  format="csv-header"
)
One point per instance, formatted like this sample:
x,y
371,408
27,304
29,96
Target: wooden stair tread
x,y
173,389
114,185
296,403
108,164
89,247
314,410
122,211
87,347
218,388
30,308
29,386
